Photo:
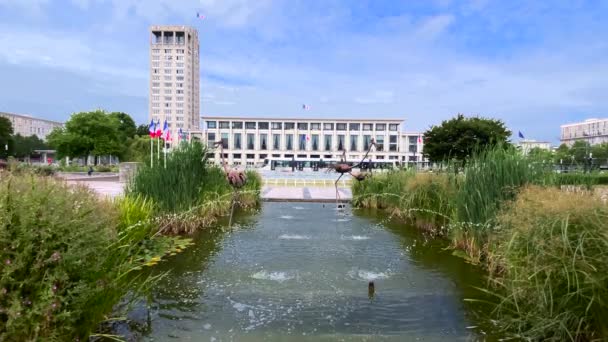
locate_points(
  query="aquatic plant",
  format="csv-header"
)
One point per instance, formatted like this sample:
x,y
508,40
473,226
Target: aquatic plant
x,y
550,264
67,258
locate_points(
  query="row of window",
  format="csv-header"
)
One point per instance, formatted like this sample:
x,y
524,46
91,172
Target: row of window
x,y
167,111
167,91
168,84
168,98
302,125
179,51
156,71
168,58
167,78
304,142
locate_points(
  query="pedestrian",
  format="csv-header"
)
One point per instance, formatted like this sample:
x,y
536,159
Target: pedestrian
x,y
90,172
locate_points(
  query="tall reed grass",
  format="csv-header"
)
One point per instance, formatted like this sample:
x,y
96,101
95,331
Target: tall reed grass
x,y
189,193
552,257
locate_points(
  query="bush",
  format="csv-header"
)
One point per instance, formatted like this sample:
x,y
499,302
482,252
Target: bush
x,y
67,258
554,266
190,193
180,185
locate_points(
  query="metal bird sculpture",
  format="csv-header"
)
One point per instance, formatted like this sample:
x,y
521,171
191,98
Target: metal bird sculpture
x,y
343,167
236,178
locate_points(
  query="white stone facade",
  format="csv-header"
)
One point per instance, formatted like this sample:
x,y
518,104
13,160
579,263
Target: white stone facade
x,y
28,126
175,78
527,145
249,141
593,131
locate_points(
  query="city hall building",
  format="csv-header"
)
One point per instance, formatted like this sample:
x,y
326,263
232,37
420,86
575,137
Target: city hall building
x,y
252,141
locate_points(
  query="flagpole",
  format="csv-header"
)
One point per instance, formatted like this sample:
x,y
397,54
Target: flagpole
x,y
165,148
151,152
158,149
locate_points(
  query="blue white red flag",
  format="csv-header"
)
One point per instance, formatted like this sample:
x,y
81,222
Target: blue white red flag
x,y
152,129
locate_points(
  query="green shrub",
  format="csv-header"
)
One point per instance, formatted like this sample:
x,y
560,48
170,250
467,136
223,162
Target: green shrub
x,y
67,258
190,193
553,266
382,190
179,186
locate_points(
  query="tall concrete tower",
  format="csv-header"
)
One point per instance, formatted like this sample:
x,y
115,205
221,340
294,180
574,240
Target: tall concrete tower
x,y
174,77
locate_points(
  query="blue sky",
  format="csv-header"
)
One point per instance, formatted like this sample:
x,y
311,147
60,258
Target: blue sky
x,y
533,64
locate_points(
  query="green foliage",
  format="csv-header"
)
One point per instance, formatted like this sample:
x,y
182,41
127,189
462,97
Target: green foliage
x,y
93,133
426,199
541,154
69,258
459,137
25,146
492,177
180,185
6,130
190,193
139,150
142,130
125,125
555,276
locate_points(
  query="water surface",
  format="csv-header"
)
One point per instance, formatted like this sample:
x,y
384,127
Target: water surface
x,y
300,272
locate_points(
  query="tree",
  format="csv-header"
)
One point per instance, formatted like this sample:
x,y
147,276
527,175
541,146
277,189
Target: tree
x,y
563,155
580,150
25,146
459,137
139,149
541,154
6,130
126,125
600,153
142,130
93,133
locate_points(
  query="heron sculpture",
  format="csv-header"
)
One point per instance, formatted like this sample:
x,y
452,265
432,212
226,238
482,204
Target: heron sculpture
x,y
343,167
235,177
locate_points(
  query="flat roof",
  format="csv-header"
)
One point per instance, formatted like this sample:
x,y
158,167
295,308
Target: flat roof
x,y
30,117
299,119
172,28
588,121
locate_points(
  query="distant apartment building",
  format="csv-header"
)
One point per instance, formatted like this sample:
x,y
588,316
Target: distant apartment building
x,y
593,131
250,141
27,126
528,144
174,77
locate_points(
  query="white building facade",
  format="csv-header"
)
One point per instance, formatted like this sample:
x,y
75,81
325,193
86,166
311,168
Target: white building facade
x,y
528,144
26,126
175,77
250,141
593,131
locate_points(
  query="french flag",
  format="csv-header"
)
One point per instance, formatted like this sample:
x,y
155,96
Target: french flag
x,y
159,131
167,136
152,129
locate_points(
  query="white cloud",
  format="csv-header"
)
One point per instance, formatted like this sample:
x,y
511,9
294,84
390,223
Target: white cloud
x,y
434,26
377,97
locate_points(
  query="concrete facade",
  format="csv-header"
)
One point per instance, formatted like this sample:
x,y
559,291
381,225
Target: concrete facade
x,y
27,126
593,131
174,77
248,141
527,145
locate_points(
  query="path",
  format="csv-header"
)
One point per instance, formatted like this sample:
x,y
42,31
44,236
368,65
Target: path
x,y
269,193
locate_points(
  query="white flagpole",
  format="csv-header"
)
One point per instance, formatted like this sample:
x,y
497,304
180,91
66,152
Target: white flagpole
x,y
165,147
158,149
151,152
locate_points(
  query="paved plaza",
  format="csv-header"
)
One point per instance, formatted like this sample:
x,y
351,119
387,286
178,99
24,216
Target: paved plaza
x,y
112,189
